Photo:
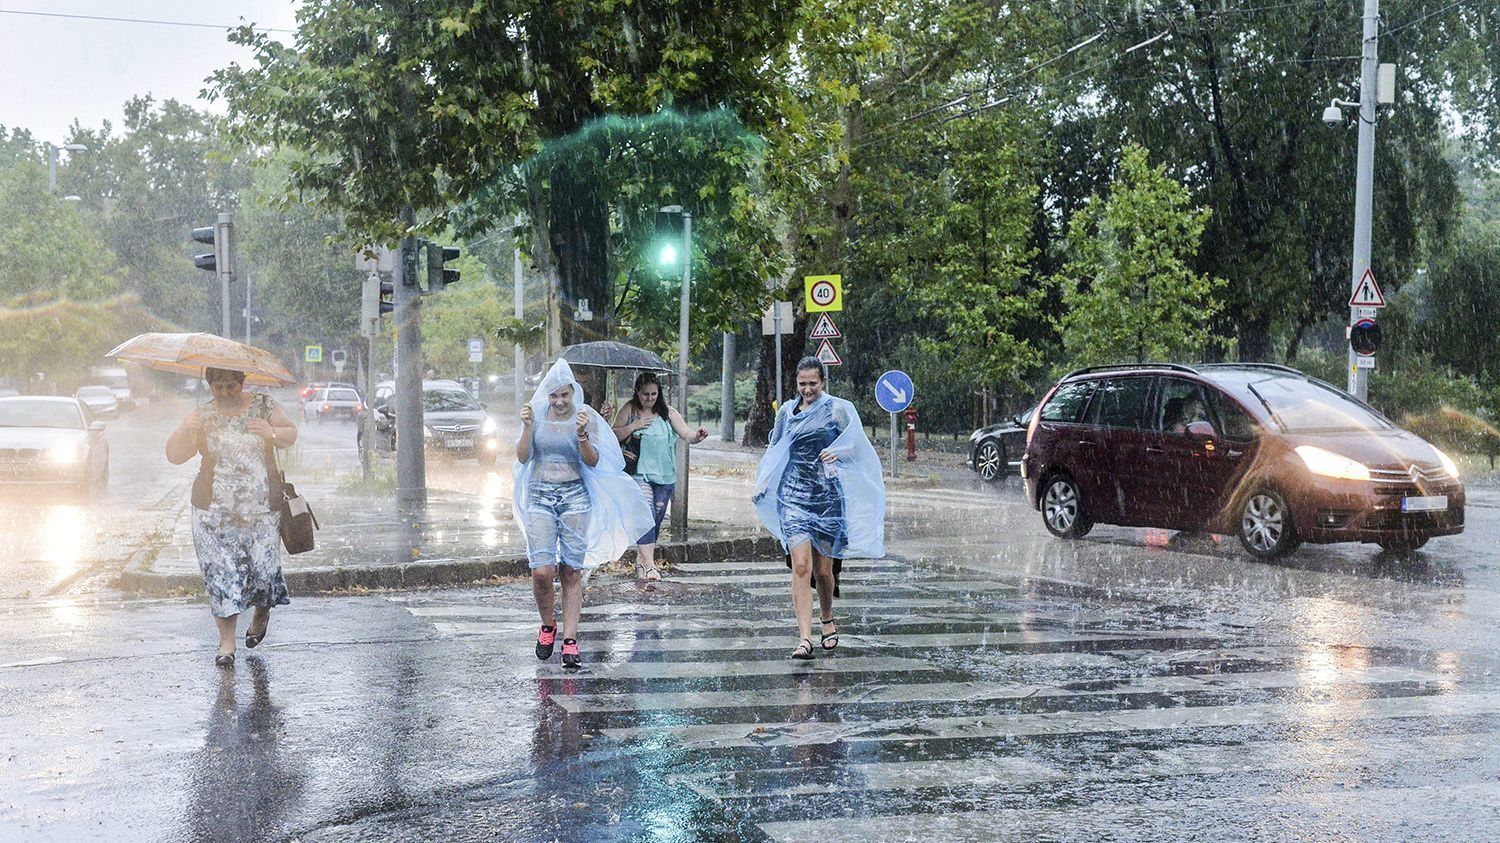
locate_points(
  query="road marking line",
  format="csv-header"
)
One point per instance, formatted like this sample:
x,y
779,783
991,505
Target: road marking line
x,y
769,667
1052,723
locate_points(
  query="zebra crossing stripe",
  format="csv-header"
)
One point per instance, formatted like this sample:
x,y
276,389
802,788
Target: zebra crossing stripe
x,y
517,610
750,567
853,589
721,669
788,639
876,691
1194,760
1050,723
1383,813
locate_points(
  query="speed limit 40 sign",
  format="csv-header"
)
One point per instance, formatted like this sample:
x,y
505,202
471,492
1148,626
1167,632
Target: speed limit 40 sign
x,y
824,292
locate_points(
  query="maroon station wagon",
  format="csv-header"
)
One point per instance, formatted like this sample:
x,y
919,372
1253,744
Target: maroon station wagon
x,y
1260,451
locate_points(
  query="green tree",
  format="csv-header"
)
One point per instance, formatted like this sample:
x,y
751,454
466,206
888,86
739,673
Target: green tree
x,y
1129,290
48,249
1463,299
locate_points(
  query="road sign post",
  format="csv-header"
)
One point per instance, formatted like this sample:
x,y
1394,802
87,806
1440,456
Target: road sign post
x,y
894,392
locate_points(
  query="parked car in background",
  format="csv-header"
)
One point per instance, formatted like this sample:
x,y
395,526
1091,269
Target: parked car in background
x,y
1260,451
118,381
99,399
996,450
307,392
333,402
454,422
47,439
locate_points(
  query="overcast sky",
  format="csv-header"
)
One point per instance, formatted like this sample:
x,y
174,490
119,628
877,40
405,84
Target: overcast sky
x,y
55,70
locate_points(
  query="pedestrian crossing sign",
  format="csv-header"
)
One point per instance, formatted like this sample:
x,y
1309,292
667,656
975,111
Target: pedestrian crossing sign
x,y
824,329
1367,294
312,354
828,355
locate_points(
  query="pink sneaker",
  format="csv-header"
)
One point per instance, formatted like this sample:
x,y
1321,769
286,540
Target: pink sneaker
x,y
570,658
544,640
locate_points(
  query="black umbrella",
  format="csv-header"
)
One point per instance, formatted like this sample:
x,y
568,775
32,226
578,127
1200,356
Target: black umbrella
x,y
606,354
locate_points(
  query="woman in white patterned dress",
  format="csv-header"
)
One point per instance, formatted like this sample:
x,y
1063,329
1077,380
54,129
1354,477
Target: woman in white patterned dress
x,y
234,525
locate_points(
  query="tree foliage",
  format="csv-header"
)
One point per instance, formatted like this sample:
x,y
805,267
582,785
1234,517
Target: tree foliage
x,y
1128,289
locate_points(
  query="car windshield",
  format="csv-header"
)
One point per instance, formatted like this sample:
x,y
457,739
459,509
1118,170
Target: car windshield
x,y
1304,407
95,392
443,400
55,414
342,395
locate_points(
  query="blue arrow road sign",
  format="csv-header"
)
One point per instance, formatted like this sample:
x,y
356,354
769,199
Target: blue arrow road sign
x,y
894,391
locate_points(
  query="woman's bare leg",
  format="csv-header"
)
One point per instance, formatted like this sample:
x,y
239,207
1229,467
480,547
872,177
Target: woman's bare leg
x,y
541,589
825,585
802,565
572,600
226,634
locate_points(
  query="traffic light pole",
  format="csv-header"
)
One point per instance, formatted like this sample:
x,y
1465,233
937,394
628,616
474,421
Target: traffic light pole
x,y
1364,183
680,494
223,267
411,466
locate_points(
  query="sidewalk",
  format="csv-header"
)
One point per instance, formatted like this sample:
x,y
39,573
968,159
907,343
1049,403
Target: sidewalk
x,y
363,541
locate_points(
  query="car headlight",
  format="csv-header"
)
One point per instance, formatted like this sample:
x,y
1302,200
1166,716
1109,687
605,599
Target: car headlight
x,y
65,452
489,427
1448,465
1329,464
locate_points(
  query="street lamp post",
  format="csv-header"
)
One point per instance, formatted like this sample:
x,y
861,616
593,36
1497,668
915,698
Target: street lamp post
x,y
680,494
52,150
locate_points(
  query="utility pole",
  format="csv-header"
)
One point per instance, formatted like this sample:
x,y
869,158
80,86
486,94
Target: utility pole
x,y
224,265
1364,181
518,289
680,494
411,466
726,393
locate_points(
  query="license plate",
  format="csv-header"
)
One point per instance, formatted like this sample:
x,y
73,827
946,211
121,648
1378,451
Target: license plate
x,y
460,443
1427,503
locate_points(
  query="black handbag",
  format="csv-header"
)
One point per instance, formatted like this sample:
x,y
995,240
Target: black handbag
x,y
631,449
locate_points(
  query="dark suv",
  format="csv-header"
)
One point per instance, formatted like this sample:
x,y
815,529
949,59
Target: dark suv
x,y
1260,451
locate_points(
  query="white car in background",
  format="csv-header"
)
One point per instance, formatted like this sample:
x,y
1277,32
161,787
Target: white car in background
x,y
46,439
100,399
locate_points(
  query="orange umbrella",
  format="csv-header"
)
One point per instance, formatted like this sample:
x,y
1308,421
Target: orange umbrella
x,y
190,354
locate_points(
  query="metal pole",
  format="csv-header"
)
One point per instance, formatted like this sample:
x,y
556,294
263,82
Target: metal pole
x,y
222,246
726,392
1364,182
776,323
520,313
893,444
411,466
249,282
680,494
367,417
51,168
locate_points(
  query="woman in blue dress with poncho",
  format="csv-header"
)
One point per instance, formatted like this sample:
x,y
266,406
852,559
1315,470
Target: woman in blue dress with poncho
x,y
821,493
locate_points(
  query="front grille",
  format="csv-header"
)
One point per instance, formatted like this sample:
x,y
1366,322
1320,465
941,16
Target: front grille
x,y
1424,474
1390,519
456,428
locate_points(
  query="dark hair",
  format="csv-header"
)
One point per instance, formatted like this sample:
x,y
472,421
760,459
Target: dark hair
x,y
210,374
646,379
813,363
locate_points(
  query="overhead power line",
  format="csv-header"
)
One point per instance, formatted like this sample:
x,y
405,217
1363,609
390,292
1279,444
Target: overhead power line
x,y
109,19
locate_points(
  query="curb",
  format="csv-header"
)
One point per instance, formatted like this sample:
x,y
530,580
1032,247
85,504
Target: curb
x,y
442,572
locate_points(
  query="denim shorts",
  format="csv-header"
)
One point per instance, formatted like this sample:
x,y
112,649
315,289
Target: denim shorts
x,y
557,522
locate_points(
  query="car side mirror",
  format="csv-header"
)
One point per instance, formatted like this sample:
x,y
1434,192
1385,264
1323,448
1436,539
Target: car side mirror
x,y
1201,430
1016,420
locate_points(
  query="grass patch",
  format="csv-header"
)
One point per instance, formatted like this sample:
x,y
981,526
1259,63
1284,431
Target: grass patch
x,y
382,482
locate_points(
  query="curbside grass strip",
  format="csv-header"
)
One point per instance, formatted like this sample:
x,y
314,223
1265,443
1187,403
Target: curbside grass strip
x,y
434,574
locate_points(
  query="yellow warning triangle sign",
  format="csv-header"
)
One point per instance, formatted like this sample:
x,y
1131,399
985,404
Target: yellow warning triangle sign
x,y
1367,294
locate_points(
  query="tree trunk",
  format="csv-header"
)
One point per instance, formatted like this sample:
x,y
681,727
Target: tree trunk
x,y
762,414
1255,338
580,239
545,259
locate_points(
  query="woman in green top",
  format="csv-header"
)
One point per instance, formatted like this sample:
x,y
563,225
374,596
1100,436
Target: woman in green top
x,y
649,428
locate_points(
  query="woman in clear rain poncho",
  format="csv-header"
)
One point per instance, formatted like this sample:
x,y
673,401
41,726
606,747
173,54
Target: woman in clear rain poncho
x,y
820,491
574,502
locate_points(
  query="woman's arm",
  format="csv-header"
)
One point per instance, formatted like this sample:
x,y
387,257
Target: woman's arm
x,y
622,426
183,443
284,430
586,449
523,445
688,435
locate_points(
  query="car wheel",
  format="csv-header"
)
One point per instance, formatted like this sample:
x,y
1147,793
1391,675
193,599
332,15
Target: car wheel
x,y
1062,508
989,461
1402,545
1266,528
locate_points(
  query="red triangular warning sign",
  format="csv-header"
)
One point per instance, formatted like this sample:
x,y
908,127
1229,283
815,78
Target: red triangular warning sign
x,y
824,329
828,355
1367,294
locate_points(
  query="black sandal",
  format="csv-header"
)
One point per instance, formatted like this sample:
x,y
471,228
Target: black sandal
x,y
252,640
804,650
224,661
832,636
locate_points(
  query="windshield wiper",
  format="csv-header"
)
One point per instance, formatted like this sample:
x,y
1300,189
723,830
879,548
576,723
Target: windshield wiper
x,y
1275,417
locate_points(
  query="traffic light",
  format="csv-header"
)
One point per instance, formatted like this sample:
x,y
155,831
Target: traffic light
x,y
216,235
437,276
667,245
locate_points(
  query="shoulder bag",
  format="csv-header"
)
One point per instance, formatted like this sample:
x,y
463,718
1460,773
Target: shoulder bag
x,y
631,448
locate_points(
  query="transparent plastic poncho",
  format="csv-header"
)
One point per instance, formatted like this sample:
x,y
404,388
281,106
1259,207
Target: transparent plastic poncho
x,y
861,482
618,514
